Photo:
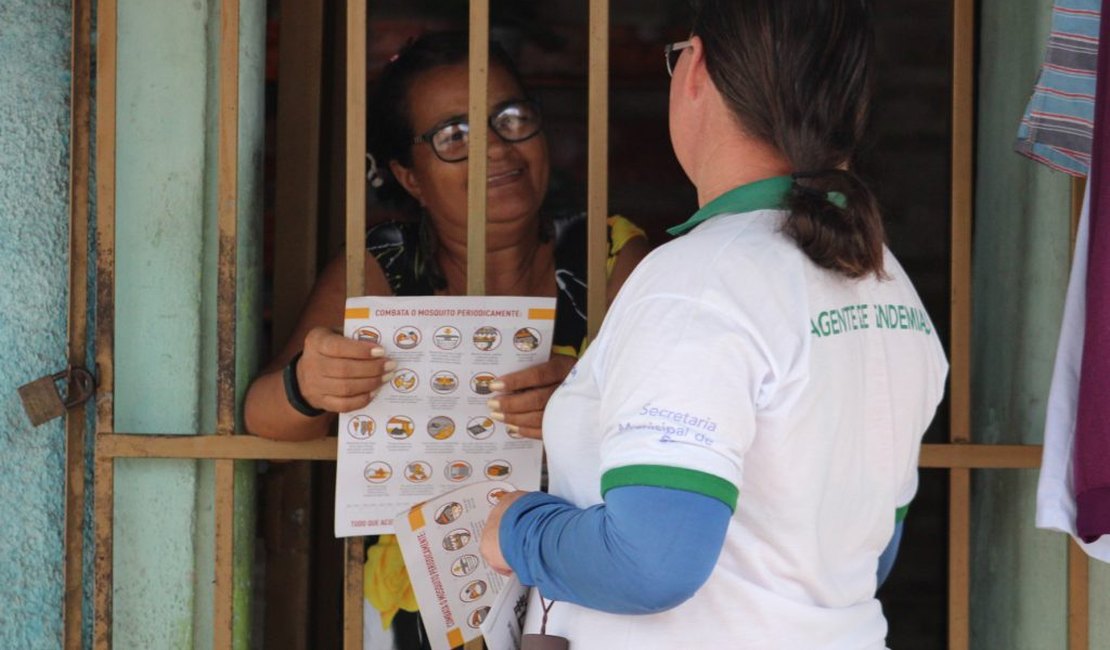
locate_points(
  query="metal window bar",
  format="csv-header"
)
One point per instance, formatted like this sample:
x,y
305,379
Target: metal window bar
x,y
80,123
1079,588
597,188
959,456
227,197
354,547
959,432
104,465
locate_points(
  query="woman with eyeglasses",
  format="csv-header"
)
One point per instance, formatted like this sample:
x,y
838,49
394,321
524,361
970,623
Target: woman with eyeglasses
x,y
419,144
733,454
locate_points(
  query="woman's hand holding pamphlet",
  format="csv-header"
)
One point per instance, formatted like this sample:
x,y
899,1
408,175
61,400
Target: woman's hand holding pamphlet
x,y
460,596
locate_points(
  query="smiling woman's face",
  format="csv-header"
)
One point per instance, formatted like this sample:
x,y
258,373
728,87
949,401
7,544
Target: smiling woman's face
x,y
517,172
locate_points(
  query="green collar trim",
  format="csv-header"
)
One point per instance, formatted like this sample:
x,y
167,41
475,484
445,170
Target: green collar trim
x,y
767,194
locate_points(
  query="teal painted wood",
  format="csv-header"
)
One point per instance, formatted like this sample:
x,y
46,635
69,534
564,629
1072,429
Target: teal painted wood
x,y
1021,258
160,161
248,345
166,274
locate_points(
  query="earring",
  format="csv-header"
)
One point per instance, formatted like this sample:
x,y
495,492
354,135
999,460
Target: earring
x,y
374,175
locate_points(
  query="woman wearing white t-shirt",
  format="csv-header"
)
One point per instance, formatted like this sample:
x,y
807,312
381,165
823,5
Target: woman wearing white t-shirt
x,y
733,454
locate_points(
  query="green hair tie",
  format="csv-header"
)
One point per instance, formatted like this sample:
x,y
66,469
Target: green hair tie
x,y
838,199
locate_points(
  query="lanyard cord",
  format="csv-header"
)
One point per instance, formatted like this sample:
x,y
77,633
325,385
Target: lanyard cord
x,y
546,608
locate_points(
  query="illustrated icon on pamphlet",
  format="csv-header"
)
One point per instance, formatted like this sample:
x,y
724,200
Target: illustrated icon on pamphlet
x,y
368,334
494,495
407,337
444,382
456,539
458,471
399,427
476,617
487,338
418,471
480,383
448,513
404,380
473,590
361,427
464,566
497,469
447,338
526,339
441,427
480,427
377,472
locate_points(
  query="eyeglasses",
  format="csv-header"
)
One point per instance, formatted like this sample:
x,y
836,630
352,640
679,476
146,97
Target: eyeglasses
x,y
514,121
672,51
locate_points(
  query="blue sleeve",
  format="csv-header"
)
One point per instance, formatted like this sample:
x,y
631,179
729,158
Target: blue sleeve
x,y
890,553
646,549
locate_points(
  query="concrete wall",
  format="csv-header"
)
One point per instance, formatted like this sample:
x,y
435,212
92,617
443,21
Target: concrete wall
x,y
34,212
1022,249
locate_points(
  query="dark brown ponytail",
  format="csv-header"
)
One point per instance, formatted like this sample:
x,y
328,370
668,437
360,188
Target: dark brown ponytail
x,y
797,74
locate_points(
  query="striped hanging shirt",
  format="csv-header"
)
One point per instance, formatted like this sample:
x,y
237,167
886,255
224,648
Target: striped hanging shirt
x,y
1057,126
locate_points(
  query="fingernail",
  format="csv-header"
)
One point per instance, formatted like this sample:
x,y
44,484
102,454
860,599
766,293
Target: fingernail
x,y
497,385
377,353
386,377
389,365
512,428
494,405
375,392
496,415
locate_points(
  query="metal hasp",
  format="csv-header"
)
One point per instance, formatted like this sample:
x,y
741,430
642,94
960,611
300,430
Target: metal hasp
x,y
43,401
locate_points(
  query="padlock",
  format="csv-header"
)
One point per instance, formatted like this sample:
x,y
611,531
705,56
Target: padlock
x,y
43,402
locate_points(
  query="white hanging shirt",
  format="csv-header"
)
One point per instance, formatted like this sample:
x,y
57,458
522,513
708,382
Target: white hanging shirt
x,y
1056,485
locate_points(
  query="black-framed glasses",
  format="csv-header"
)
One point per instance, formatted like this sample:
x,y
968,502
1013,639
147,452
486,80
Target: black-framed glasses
x,y
672,51
513,121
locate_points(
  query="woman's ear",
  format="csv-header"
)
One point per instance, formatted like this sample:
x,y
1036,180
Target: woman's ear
x,y
696,73
407,178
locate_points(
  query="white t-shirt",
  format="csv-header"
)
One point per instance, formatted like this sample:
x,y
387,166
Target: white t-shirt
x,y
730,362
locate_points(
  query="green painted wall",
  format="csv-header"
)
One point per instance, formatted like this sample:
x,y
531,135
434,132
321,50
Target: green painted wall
x,y
166,249
1021,262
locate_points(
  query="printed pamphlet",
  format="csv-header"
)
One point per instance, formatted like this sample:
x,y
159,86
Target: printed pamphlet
x,y
429,429
460,596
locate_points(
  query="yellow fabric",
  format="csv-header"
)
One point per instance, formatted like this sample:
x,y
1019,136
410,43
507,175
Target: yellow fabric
x,y
385,583
621,231
567,350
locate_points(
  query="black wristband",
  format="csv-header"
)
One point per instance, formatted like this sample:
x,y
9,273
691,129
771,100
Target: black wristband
x,y
293,390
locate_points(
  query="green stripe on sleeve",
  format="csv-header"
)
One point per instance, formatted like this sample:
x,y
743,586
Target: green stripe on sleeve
x,y
677,478
900,513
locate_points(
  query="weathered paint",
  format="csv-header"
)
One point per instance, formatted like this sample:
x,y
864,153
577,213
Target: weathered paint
x,y
34,151
160,145
166,306
248,350
1100,604
1021,256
